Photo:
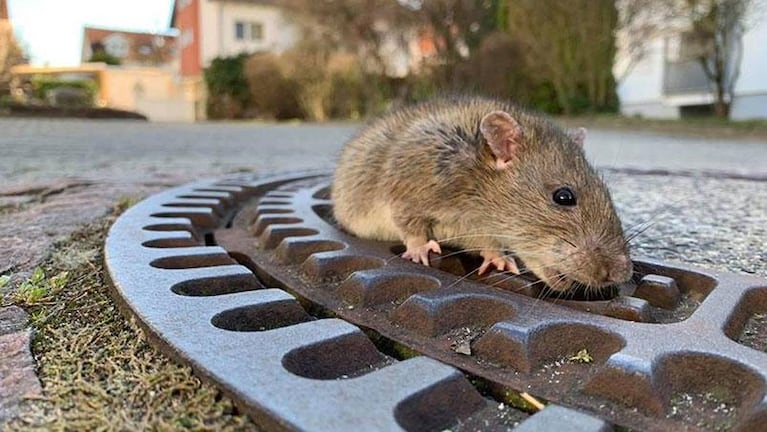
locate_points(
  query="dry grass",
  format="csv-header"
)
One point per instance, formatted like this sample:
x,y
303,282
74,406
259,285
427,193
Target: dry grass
x,y
97,369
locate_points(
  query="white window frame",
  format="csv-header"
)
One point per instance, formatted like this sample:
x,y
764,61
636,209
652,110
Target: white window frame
x,y
249,34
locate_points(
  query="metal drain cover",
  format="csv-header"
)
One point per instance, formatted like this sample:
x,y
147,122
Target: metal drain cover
x,y
193,263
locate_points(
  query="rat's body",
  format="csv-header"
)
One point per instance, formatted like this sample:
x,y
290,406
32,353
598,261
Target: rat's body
x,y
485,176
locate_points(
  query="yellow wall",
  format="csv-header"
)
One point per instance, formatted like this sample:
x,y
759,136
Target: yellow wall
x,y
154,92
122,87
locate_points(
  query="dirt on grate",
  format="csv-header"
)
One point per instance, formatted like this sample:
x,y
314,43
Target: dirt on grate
x,y
754,333
715,411
97,369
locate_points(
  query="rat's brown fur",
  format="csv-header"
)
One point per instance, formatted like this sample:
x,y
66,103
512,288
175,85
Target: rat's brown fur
x,y
427,172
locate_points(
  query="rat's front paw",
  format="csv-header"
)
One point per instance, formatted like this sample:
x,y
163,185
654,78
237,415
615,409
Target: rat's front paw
x,y
499,261
420,254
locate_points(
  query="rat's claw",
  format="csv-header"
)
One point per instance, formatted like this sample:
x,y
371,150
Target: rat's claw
x,y
420,254
499,261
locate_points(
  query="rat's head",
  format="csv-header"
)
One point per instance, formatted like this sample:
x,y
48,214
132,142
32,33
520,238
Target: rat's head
x,y
558,215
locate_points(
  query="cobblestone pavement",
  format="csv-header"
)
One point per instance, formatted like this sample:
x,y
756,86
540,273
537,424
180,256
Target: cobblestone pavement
x,y
705,200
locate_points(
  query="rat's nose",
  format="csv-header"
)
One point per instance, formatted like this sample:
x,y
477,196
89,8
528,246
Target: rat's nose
x,y
621,269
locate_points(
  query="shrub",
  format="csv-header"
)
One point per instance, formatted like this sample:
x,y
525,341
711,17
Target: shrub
x,y
306,82
46,88
346,98
306,66
101,56
228,94
544,98
272,94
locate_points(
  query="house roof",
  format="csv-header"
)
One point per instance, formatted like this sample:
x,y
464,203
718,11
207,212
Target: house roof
x,y
143,47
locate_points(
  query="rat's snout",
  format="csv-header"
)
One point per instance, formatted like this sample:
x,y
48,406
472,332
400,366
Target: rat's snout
x,y
603,268
595,265
618,269
624,271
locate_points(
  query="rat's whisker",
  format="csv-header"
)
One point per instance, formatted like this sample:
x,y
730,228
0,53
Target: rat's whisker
x,y
636,234
649,221
463,278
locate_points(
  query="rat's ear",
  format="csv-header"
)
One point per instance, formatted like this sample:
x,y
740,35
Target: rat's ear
x,y
503,134
577,135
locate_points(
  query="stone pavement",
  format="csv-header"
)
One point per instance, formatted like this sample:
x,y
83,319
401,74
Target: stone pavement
x,y
704,199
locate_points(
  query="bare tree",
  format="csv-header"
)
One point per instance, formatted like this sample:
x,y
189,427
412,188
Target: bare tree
x,y
638,22
364,28
457,27
717,28
361,27
11,54
710,31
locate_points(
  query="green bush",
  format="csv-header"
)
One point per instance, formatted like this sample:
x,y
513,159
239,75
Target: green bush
x,y
228,94
102,56
544,98
42,85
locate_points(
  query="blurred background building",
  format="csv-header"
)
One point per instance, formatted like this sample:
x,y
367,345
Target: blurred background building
x,y
210,29
348,59
669,80
128,48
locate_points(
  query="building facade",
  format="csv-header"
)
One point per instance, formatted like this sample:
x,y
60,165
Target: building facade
x,y
220,28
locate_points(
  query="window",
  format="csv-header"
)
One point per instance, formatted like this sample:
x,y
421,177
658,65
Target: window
x,y
116,45
256,31
253,31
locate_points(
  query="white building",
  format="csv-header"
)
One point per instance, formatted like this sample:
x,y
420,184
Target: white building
x,y
663,84
222,28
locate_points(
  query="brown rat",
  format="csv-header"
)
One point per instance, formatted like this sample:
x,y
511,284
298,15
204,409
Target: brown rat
x,y
486,176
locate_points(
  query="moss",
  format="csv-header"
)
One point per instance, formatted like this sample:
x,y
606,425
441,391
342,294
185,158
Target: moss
x,y
97,369
124,203
39,287
513,398
581,356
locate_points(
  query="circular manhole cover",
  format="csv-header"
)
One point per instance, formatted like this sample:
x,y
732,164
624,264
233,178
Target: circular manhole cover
x,y
193,265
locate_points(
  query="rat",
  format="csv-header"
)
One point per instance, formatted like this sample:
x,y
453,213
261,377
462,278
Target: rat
x,y
485,176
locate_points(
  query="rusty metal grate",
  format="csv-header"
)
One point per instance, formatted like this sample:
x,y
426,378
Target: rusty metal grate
x,y
674,350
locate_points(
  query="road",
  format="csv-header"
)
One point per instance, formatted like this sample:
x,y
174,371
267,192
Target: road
x,y
34,150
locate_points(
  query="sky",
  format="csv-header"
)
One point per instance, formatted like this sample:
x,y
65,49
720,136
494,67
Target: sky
x,y
51,31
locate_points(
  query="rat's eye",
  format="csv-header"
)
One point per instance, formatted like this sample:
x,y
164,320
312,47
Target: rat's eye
x,y
564,197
